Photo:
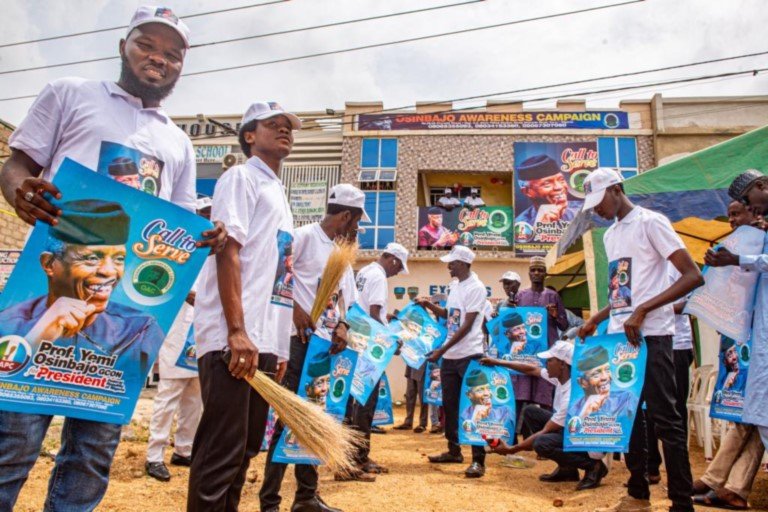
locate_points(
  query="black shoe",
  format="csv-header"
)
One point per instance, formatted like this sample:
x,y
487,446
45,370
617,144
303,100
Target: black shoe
x,y
404,426
312,505
180,460
419,429
446,458
158,471
475,470
593,476
378,430
436,429
374,468
561,475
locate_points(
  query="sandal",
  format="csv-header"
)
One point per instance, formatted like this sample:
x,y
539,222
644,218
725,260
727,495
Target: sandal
x,y
711,499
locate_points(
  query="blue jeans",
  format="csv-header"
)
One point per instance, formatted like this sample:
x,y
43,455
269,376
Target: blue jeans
x,y
81,473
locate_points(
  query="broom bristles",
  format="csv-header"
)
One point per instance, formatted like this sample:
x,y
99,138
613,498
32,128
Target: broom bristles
x,y
318,432
341,258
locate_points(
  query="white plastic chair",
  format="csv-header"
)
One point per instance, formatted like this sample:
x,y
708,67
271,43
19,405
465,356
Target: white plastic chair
x,y
696,399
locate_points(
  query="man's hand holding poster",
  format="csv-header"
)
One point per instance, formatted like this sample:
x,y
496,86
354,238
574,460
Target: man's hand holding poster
x,y
92,297
486,406
727,299
607,378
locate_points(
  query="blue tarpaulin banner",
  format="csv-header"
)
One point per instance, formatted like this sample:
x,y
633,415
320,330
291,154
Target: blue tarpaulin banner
x,y
518,334
383,414
487,405
376,346
419,332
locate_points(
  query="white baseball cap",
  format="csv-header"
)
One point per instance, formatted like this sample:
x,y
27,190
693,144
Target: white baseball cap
x,y
473,191
448,190
596,183
561,350
459,253
203,202
154,14
511,276
266,109
348,195
399,252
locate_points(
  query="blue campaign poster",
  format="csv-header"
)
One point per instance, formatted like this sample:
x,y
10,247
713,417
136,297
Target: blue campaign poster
x,y
419,332
487,405
325,381
89,303
518,334
728,397
433,390
607,379
383,414
188,356
376,346
269,430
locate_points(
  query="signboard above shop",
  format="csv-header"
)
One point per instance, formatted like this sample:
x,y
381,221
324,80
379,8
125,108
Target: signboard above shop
x,y
211,154
541,120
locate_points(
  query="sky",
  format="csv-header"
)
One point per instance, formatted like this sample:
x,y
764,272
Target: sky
x,y
628,38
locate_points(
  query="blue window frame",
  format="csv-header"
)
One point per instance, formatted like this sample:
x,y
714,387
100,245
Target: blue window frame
x,y
378,160
619,153
380,207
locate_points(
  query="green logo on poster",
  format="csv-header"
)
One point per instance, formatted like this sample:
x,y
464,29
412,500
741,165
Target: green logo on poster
x,y
498,222
153,278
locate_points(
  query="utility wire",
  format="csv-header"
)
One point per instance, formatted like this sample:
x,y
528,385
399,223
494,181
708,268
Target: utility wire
x,y
100,30
246,38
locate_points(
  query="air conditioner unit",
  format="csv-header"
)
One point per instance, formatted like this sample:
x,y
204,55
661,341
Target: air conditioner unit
x,y
231,159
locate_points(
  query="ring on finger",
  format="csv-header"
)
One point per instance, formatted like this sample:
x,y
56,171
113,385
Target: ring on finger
x,y
28,196
241,360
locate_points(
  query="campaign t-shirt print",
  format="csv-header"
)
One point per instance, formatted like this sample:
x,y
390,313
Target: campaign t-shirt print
x,y
454,321
282,290
620,286
131,167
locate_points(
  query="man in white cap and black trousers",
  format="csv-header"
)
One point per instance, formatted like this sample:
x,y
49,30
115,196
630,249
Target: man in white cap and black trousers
x,y
235,328
464,313
79,119
372,296
640,245
312,245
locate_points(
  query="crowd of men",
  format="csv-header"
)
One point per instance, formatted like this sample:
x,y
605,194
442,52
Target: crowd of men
x,y
250,310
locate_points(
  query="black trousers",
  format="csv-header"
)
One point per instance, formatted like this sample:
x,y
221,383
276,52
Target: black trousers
x,y
550,445
230,433
415,391
659,394
683,360
306,475
451,374
360,418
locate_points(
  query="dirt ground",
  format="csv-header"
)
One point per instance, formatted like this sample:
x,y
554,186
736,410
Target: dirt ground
x,y
413,485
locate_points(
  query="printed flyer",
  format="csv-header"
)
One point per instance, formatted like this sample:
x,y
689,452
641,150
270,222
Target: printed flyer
x,y
728,397
91,299
419,332
383,414
433,390
549,191
487,405
726,300
325,381
188,356
518,334
607,379
376,346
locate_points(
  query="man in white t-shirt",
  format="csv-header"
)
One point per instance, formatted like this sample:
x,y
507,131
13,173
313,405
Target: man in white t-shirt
x,y
544,429
312,245
102,125
639,246
464,312
372,295
447,201
233,318
474,200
